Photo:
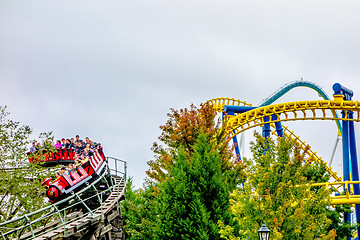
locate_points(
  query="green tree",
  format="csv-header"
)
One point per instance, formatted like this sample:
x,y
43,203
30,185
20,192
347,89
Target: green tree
x,y
139,211
342,229
20,185
317,174
196,195
202,183
277,193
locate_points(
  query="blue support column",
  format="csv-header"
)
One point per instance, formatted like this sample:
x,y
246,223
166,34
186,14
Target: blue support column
x,y
279,128
235,141
346,154
266,128
349,148
346,160
231,110
354,165
237,149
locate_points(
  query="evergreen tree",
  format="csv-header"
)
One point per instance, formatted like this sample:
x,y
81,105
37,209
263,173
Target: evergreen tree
x,y
277,192
196,196
139,211
189,181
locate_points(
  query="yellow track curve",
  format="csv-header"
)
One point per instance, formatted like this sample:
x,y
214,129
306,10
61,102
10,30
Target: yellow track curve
x,y
312,156
294,111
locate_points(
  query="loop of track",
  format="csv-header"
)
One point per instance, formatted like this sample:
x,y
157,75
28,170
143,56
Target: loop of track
x,y
294,111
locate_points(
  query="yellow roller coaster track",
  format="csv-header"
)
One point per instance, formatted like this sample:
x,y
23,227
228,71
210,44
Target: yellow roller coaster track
x,y
219,103
293,111
312,156
347,198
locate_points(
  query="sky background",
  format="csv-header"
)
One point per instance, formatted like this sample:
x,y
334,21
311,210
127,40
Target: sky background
x,y
111,70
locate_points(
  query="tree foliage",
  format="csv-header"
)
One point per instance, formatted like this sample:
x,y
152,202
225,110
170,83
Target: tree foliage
x,y
187,195
139,210
20,185
189,182
181,130
13,141
277,192
196,196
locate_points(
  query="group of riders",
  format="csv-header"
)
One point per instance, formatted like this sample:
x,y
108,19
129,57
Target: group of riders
x,y
82,150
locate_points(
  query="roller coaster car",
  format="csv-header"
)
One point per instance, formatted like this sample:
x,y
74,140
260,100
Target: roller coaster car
x,y
77,177
61,156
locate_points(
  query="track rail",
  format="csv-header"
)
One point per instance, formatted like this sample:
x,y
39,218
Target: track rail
x,y
287,87
312,156
76,215
293,111
347,197
219,103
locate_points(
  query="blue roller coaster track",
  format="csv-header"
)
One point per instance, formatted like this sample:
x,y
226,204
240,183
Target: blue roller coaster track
x,y
287,87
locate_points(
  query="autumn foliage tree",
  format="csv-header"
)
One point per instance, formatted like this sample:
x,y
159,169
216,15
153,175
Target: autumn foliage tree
x,y
181,129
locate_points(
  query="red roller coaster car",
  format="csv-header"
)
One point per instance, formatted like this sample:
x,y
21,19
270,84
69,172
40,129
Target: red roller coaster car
x,y
61,156
78,176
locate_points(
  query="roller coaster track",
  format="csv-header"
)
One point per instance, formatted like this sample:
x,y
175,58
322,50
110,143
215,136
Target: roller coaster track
x,y
287,87
311,155
219,103
294,111
92,212
347,198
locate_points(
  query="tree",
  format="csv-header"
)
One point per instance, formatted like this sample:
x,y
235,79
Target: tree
x,y
13,141
277,192
20,185
139,211
181,130
189,181
196,195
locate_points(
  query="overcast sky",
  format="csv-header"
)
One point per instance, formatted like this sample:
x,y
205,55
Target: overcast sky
x,y
111,70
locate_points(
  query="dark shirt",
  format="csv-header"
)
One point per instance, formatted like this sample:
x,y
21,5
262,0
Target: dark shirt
x,y
77,150
81,141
